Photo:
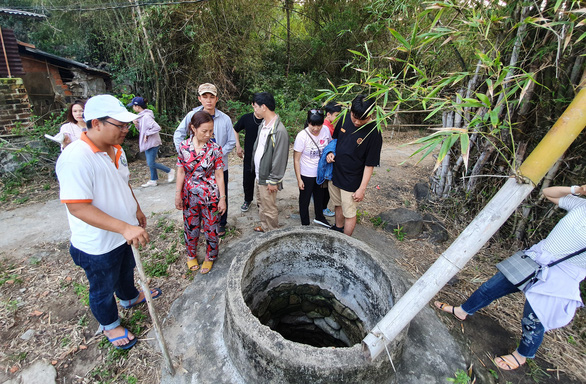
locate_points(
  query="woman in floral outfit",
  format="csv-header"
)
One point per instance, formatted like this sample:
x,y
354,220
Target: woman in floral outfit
x,y
200,178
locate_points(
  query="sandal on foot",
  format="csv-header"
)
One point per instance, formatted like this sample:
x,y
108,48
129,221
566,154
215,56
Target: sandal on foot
x,y
192,264
128,345
443,306
155,292
207,264
510,366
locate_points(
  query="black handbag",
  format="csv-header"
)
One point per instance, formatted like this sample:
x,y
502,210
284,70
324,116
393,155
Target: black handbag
x,y
521,270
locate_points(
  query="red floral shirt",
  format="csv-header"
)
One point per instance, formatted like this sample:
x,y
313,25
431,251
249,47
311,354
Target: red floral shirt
x,y
200,185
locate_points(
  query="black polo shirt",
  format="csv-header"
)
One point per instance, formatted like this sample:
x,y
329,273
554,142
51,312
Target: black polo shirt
x,y
356,148
250,124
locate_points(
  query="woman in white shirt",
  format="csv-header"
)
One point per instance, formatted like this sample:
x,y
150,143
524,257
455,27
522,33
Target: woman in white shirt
x,y
75,125
308,148
552,300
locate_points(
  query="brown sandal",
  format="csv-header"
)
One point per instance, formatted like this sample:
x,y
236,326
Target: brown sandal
x,y
510,366
441,306
258,229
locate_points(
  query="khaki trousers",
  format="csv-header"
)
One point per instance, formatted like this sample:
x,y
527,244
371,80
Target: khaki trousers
x,y
267,208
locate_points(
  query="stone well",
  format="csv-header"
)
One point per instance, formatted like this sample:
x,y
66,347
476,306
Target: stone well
x,y
300,301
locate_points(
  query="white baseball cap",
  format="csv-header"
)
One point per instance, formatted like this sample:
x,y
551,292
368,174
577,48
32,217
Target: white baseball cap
x,y
107,106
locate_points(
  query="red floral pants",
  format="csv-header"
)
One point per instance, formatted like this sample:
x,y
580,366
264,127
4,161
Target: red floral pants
x,y
201,218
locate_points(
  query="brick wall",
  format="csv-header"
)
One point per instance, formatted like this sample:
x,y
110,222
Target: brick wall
x,y
15,109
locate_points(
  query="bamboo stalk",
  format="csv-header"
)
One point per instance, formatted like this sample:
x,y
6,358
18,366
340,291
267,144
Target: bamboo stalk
x,y
480,230
157,325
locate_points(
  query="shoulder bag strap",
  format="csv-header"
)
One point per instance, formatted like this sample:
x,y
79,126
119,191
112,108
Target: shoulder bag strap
x,y
317,146
566,257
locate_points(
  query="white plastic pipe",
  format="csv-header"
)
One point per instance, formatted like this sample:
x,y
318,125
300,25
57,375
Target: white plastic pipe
x,y
486,223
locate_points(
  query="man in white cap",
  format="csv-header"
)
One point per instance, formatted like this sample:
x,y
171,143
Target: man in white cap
x,y
104,216
224,135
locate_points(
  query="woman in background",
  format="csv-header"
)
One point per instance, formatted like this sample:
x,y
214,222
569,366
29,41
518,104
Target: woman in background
x,y
200,182
149,140
75,124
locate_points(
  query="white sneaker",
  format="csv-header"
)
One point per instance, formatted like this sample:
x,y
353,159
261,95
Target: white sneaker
x,y
171,176
150,183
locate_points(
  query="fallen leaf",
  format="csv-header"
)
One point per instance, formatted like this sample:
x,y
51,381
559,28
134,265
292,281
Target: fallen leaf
x,y
14,368
83,347
54,362
68,278
44,293
36,313
9,282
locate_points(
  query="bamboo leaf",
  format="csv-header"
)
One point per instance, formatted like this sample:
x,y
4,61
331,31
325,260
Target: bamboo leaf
x,y
494,117
465,149
401,39
445,148
485,100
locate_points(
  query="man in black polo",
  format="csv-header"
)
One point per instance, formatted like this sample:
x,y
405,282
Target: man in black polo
x,y
249,123
357,153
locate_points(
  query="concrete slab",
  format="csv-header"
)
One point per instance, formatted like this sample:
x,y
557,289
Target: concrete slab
x,y
193,329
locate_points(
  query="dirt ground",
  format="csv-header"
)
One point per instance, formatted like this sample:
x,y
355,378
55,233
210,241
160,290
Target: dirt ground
x,y
44,295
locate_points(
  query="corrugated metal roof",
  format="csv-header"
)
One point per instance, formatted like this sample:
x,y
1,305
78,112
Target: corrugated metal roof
x,y
11,49
58,60
16,12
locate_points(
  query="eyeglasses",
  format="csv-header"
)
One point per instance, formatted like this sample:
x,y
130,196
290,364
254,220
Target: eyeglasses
x,y
122,127
316,112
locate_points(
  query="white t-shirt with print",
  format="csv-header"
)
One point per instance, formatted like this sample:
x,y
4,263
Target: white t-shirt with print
x,y
310,147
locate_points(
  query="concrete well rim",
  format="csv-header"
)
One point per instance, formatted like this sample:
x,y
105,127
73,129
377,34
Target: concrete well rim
x,y
276,345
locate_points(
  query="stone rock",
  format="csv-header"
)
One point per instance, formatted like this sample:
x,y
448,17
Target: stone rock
x,y
314,315
349,314
344,338
39,373
437,231
323,325
332,323
294,299
410,221
307,306
295,320
421,191
278,303
284,287
307,289
338,307
28,334
324,311
319,301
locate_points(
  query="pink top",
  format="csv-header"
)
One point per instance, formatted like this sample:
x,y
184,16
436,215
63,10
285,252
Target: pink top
x,y
148,136
311,148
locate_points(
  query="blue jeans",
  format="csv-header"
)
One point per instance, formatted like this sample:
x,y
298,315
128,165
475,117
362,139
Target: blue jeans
x,y
151,155
498,286
109,273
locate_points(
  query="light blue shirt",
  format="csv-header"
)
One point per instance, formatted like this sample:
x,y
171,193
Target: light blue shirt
x,y
223,132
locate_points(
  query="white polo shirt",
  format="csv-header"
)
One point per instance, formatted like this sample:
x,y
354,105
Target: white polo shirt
x,y
88,175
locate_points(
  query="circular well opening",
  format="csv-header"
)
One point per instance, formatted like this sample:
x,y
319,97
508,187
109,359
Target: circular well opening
x,y
298,303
